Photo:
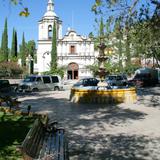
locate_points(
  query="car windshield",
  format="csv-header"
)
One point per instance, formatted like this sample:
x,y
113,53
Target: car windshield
x,y
29,79
80,82
111,78
119,78
114,78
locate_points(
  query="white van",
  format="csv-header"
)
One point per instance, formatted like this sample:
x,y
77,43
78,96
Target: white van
x,y
41,82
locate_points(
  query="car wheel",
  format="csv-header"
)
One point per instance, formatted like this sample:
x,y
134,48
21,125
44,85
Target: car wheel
x,y
35,90
124,84
15,89
56,88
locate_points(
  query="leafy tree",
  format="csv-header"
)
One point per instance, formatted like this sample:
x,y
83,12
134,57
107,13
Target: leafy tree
x,y
31,48
24,10
118,32
54,48
14,45
56,71
130,69
93,68
127,45
10,69
4,44
139,22
90,35
145,35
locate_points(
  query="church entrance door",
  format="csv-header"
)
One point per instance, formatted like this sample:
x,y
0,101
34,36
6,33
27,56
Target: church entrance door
x,y
72,72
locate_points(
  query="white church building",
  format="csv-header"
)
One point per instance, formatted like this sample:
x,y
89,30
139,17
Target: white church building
x,y
74,52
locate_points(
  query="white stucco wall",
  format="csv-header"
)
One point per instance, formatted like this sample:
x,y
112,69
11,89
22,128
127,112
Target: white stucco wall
x,y
44,56
84,48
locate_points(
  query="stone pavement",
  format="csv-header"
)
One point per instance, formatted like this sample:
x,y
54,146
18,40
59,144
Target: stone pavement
x,y
104,132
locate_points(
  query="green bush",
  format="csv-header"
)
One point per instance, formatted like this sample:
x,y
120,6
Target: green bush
x,y
55,71
130,69
13,129
10,69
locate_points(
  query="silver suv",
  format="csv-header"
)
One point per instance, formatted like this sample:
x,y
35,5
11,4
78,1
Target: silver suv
x,y
41,82
116,80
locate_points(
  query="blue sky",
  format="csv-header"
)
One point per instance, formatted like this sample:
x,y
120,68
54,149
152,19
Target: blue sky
x,y
71,12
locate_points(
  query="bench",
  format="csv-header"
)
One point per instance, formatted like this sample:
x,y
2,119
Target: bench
x,y
11,102
45,142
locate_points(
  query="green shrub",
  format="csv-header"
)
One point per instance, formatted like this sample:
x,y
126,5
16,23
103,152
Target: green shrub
x,y
55,71
10,69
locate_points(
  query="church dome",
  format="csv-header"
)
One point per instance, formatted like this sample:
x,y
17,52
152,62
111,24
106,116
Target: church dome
x,y
50,14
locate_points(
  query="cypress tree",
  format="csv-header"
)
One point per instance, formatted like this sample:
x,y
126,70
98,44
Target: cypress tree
x,y
54,48
23,52
101,29
13,45
16,43
4,44
1,53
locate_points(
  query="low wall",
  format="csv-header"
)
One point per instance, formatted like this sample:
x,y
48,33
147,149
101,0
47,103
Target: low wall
x,y
109,96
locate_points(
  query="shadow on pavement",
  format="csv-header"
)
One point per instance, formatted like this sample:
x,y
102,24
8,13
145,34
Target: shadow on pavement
x,y
150,97
86,129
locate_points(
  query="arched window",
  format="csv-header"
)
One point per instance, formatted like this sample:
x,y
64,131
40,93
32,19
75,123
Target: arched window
x,y
49,32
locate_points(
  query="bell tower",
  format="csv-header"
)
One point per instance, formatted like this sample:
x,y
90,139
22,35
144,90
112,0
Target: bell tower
x,y
45,29
47,21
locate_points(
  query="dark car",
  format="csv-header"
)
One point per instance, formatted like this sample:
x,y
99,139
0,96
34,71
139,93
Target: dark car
x,y
116,80
142,80
86,82
5,86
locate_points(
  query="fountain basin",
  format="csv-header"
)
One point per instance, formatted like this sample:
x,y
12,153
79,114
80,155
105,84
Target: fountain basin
x,y
106,96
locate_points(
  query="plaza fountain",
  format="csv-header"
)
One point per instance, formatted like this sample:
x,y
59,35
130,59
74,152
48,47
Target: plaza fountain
x,y
102,93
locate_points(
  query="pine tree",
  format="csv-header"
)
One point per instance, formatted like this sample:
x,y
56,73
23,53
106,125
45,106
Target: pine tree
x,y
4,44
23,52
54,48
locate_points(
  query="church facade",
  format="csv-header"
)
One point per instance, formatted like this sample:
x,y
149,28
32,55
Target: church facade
x,y
74,52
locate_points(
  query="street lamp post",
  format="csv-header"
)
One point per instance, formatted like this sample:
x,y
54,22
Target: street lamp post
x,y
30,64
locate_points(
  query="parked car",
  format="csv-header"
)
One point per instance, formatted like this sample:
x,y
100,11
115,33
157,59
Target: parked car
x,y
5,86
116,80
86,82
41,82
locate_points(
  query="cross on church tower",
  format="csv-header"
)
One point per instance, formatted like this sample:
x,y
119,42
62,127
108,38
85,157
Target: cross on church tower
x,y
50,6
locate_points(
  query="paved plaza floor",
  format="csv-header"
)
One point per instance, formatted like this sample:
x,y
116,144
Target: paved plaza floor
x,y
104,132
